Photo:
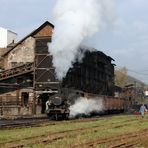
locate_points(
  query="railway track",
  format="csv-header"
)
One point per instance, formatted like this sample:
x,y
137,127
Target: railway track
x,y
24,123
21,123
130,140
43,121
33,122
121,141
49,138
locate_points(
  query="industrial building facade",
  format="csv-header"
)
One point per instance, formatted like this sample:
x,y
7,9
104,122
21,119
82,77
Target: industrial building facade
x,y
25,69
27,76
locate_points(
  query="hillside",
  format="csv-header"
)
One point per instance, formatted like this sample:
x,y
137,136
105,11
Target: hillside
x,y
122,79
135,81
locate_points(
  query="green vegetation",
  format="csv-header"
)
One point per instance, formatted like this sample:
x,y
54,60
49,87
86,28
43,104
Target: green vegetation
x,y
69,133
121,77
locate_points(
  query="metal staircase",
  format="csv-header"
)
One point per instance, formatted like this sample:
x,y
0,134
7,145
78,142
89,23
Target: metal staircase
x,y
16,71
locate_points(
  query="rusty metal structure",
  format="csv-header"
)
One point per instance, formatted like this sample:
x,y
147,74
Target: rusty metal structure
x,y
27,78
44,76
95,74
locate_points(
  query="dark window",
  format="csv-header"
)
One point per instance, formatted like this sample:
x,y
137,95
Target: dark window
x,y
25,98
13,64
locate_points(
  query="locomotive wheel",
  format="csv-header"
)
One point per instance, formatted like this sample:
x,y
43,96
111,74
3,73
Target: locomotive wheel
x,y
51,117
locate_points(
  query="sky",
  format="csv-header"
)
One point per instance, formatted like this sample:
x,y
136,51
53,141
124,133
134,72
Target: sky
x,y
125,39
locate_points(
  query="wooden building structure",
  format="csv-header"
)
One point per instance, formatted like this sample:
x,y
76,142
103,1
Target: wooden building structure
x,y
27,68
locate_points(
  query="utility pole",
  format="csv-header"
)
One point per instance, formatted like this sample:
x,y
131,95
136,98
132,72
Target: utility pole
x,y
135,92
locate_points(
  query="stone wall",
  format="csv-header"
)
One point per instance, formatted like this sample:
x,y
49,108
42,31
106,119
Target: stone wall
x,y
13,103
21,54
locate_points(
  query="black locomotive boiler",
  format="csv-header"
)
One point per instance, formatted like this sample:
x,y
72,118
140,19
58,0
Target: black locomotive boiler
x,y
57,106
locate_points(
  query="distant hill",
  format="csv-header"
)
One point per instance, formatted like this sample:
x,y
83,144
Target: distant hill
x,y
132,80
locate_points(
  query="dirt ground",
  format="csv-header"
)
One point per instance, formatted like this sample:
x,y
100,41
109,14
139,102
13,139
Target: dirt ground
x,y
135,139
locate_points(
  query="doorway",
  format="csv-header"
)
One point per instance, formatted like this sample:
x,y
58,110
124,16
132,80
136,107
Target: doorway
x,y
25,99
43,99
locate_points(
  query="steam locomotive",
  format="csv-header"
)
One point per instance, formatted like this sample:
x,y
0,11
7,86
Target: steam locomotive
x,y
57,107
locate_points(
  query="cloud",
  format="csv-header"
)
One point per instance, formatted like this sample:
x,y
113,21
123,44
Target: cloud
x,y
126,39
22,16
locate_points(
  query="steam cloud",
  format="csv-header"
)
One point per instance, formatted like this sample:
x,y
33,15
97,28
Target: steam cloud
x,y
76,20
85,106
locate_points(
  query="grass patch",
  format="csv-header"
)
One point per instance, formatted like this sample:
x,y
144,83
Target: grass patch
x,y
79,132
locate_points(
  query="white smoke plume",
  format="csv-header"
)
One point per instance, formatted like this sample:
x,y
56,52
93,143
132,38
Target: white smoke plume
x,y
76,20
86,106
